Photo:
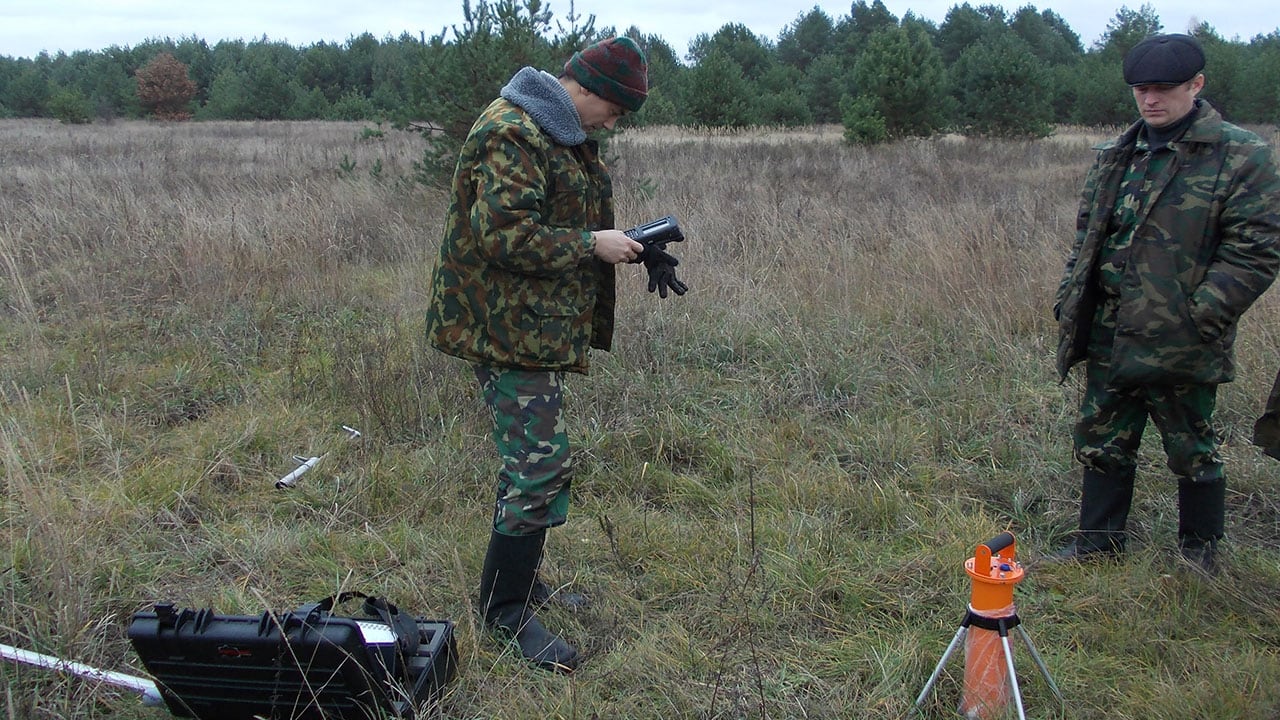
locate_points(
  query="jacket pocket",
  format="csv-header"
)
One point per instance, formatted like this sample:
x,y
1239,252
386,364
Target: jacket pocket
x,y
1167,348
552,320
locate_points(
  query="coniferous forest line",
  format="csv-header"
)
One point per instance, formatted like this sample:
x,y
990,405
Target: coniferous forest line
x,y
982,71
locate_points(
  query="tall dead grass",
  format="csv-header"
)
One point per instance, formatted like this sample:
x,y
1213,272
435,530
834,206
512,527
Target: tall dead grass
x,y
779,473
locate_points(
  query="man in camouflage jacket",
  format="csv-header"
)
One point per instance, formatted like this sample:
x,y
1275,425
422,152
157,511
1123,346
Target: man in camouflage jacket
x,y
523,287
1178,233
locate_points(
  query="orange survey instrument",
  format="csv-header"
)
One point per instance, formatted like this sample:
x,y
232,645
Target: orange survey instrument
x,y
989,677
994,572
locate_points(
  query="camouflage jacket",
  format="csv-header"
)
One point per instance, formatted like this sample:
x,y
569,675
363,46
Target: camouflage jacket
x,y
517,283
1205,246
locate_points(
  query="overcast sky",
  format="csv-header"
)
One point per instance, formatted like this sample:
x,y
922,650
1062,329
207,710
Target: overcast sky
x,y
28,27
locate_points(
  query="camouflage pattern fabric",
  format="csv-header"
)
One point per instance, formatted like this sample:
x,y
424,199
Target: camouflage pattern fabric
x,y
1205,244
1266,431
1112,419
1134,188
516,284
529,432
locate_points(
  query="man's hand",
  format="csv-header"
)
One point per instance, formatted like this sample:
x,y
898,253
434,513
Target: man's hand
x,y
613,247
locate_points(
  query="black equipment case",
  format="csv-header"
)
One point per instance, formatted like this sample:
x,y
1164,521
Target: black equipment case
x,y
304,664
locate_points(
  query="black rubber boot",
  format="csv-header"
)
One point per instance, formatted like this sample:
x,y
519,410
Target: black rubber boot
x,y
1104,512
571,601
506,591
1201,521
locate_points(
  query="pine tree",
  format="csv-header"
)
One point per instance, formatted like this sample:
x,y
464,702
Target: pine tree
x,y
901,73
719,95
454,81
1003,90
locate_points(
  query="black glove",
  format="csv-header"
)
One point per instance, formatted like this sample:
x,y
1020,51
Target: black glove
x,y
662,271
653,251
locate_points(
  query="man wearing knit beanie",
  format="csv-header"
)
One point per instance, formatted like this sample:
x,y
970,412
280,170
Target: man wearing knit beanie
x,y
523,287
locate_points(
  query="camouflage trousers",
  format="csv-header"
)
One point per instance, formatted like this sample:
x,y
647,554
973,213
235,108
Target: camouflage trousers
x,y
529,432
1112,419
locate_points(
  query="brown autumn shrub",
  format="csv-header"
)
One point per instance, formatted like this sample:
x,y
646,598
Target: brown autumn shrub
x,y
165,89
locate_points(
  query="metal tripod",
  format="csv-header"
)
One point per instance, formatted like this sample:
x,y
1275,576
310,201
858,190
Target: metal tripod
x,y
1002,626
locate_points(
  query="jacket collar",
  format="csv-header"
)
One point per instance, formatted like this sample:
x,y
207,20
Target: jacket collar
x,y
1207,128
542,96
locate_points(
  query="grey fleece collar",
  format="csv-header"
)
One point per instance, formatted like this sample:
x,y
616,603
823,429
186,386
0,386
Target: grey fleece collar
x,y
542,96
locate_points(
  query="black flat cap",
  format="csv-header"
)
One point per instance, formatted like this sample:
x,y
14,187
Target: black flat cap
x,y
1163,60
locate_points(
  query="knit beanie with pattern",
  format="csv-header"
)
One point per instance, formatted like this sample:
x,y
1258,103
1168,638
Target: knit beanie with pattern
x,y
615,69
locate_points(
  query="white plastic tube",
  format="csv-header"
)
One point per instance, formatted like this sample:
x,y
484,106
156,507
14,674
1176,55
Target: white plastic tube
x,y
288,480
144,687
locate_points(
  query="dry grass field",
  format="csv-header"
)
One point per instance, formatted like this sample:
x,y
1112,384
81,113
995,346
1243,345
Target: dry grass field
x,y
780,474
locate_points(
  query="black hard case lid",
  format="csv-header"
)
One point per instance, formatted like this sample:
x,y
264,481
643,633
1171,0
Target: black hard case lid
x,y
301,665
